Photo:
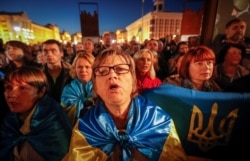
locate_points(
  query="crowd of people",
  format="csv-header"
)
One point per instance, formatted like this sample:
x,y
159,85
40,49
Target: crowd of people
x,y
86,98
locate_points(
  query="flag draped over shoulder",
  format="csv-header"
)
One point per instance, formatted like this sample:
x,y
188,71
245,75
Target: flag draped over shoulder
x,y
49,134
149,130
212,125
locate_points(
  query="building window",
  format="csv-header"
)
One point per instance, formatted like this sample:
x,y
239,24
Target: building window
x,y
160,7
152,21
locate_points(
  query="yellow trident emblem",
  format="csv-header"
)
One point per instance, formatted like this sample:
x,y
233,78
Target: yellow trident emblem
x,y
209,137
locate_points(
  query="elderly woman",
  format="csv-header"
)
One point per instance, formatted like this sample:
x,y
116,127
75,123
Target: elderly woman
x,y
36,128
196,70
229,66
122,125
145,71
78,96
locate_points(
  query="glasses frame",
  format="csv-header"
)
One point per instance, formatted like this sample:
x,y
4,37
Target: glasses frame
x,y
114,69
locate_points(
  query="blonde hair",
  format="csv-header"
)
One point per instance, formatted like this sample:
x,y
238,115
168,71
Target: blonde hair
x,y
81,55
138,55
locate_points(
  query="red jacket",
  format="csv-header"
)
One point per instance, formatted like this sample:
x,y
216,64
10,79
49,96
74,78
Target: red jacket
x,y
144,83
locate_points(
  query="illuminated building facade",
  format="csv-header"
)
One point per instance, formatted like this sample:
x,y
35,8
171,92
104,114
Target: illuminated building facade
x,y
65,37
121,36
156,24
17,26
77,37
160,23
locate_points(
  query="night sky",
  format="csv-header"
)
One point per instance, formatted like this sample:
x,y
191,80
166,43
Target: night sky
x,y
113,14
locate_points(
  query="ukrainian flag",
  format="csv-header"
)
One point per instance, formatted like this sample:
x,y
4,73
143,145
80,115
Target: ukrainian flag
x,y
211,125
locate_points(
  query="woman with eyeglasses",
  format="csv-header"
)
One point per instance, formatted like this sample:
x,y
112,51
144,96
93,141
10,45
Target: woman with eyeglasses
x,y
122,125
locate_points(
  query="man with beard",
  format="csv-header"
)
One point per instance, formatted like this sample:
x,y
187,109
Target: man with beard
x,y
235,31
241,9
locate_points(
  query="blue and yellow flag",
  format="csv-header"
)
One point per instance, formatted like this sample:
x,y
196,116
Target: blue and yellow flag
x,y
213,125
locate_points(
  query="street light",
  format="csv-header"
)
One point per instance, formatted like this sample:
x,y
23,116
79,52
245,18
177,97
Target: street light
x,y
17,29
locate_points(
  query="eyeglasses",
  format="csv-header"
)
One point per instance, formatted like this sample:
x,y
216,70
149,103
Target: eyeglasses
x,y
118,69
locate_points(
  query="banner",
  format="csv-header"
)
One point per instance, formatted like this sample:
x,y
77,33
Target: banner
x,y
213,125
89,18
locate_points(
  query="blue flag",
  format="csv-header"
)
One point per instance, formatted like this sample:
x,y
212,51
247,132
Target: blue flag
x,y
213,125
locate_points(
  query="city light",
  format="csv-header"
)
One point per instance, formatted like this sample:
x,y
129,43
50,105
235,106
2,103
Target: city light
x,y
17,28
